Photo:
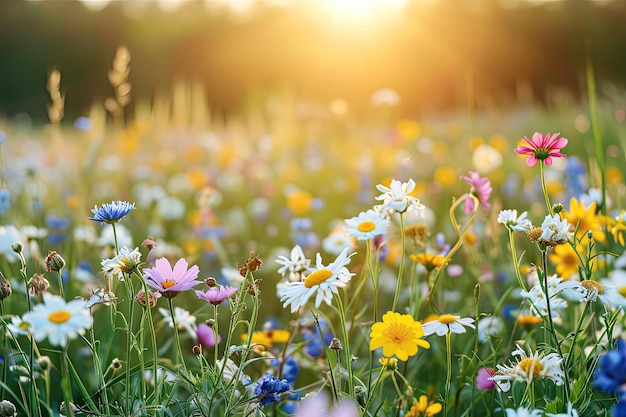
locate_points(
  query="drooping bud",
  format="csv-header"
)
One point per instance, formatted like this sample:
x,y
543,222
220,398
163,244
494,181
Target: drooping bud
x,y
5,287
7,409
17,247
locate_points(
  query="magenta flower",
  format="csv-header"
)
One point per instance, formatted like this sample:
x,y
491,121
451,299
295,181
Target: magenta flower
x,y
169,282
542,148
215,295
481,188
482,379
206,336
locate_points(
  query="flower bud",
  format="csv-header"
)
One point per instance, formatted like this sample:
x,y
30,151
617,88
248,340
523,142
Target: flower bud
x,y
54,261
557,208
197,350
210,282
335,344
5,287
17,247
44,363
38,284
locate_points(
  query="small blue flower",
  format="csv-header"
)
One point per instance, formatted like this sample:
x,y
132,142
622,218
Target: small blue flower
x,y
619,409
111,213
5,200
268,388
610,376
289,368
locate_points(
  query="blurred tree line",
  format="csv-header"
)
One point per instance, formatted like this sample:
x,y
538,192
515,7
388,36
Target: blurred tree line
x,y
430,53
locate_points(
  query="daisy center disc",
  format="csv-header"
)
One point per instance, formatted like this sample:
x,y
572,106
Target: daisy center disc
x,y
590,285
529,365
366,226
59,317
168,283
317,277
446,319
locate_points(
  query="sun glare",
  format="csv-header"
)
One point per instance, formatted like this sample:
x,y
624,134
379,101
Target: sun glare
x,y
358,11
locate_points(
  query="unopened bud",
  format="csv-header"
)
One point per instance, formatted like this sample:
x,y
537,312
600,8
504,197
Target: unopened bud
x,y
335,344
197,350
210,322
17,247
211,282
5,287
152,298
116,364
54,261
44,363
557,208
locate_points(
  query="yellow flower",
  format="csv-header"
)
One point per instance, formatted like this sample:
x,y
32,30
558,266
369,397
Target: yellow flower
x,y
429,261
399,335
445,176
423,407
409,130
390,364
268,337
300,202
566,260
585,220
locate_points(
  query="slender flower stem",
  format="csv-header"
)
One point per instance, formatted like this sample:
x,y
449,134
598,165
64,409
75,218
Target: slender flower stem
x,y
216,333
150,330
401,268
346,348
129,339
555,338
544,188
448,373
60,280
579,325
333,383
520,281
66,383
32,392
181,358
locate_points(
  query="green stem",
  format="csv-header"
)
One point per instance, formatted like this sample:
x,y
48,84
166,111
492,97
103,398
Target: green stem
x,y
544,188
181,358
448,373
555,338
150,330
60,280
346,345
401,268
66,383
129,340
520,281
578,328
32,392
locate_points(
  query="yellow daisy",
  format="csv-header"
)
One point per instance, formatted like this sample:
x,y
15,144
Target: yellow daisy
x,y
424,408
399,335
584,220
566,260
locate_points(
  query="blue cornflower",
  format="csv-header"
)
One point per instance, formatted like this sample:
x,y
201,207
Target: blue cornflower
x,y
315,344
268,388
289,368
619,409
610,376
111,213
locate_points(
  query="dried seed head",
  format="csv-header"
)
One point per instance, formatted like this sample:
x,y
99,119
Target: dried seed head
x,y
38,284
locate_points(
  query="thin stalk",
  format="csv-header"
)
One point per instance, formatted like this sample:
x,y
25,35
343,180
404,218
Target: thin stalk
x,y
177,339
544,277
66,383
448,373
333,383
346,347
544,188
520,281
60,280
129,340
150,329
32,392
401,268
579,326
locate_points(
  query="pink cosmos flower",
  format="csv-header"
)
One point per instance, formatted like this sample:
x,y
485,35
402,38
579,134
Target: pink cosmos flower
x,y
482,379
169,282
481,188
206,336
215,295
542,148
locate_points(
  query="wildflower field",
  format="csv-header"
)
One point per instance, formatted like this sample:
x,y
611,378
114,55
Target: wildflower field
x,y
294,260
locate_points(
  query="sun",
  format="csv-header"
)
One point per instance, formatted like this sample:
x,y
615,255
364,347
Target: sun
x,y
358,11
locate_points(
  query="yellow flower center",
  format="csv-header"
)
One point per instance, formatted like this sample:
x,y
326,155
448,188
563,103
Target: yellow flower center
x,y
622,291
446,319
592,285
317,277
168,283
59,317
399,332
529,365
366,227
528,320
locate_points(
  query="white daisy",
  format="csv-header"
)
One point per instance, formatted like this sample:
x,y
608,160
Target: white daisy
x,y
296,264
125,262
17,327
555,230
367,224
396,197
184,319
57,320
510,219
488,326
538,300
322,282
608,295
447,323
528,368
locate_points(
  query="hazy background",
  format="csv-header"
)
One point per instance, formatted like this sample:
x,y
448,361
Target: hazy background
x,y
430,52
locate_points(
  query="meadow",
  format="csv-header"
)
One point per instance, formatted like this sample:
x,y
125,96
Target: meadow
x,y
293,258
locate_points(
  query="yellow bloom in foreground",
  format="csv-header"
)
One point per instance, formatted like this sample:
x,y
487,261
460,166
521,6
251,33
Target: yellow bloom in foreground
x,y
566,260
429,261
399,335
423,407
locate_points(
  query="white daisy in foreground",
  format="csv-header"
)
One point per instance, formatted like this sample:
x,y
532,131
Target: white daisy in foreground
x,y
447,323
57,320
396,197
528,368
608,295
367,225
322,283
512,222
